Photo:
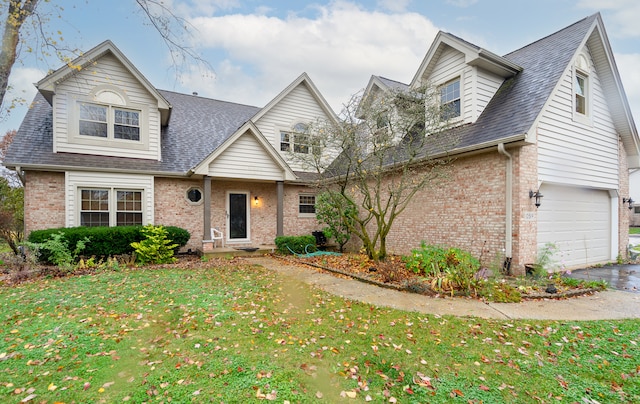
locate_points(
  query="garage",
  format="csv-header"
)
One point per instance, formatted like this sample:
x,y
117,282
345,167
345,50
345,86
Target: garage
x,y
578,221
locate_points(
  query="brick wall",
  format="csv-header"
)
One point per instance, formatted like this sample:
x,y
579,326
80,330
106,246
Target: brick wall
x,y
173,208
466,210
44,204
624,213
525,213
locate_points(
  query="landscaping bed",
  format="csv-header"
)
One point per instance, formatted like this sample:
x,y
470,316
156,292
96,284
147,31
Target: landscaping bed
x,y
394,274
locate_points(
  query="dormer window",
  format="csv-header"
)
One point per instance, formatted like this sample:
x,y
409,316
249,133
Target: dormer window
x,y
109,122
450,99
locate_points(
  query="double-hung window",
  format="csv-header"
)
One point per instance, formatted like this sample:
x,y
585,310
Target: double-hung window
x,y
307,205
110,207
450,99
296,140
109,122
580,90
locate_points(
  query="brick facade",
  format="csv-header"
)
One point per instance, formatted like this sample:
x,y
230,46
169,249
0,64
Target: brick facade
x,y
44,204
173,208
624,214
466,209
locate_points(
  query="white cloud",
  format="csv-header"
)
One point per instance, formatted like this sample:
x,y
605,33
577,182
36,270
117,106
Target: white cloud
x,y
622,15
628,68
340,47
18,96
394,5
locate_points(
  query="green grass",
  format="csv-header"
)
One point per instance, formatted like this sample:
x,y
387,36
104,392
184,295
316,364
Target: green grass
x,y
243,334
634,230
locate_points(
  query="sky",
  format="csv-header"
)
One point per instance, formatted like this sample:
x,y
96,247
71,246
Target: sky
x,y
255,48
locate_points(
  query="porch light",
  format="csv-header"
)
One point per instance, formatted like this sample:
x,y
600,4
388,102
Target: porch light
x,y
536,195
629,201
255,200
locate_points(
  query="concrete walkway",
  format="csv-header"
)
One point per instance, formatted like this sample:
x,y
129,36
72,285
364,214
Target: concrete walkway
x,y
610,304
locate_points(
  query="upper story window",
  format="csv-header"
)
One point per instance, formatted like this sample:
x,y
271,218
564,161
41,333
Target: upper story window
x,y
580,90
450,99
105,121
296,140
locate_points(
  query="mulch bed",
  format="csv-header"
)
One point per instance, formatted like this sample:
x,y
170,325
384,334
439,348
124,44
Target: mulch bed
x,y
393,274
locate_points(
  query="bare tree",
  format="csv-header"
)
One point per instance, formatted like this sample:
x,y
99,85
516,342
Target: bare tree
x,y
17,16
387,147
11,176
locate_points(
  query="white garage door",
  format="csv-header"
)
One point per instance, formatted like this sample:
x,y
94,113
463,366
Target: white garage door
x,y
578,222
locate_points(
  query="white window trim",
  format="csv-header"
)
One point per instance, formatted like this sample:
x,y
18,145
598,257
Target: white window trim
x,y
305,215
292,139
74,136
113,202
585,118
445,83
75,180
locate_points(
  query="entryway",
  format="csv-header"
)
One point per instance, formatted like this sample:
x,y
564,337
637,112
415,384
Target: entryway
x,y
238,216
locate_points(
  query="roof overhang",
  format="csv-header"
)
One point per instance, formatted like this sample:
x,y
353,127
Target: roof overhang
x,y
47,86
473,56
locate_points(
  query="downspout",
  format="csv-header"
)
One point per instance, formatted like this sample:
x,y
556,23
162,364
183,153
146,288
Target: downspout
x,y
508,235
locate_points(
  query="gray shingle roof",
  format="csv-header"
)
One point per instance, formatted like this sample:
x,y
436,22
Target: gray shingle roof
x,y
197,127
519,101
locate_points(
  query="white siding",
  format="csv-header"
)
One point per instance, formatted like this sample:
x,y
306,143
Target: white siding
x,y
297,106
574,152
107,71
76,179
451,65
246,158
487,84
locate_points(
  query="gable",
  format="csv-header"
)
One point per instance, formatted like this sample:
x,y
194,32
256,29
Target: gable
x,y
109,84
574,150
245,159
245,155
299,105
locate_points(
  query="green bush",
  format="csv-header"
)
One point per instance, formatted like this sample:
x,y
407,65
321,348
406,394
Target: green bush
x,y
432,260
156,248
104,241
58,251
296,244
451,268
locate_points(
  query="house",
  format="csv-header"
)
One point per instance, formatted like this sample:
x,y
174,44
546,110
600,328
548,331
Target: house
x,y
546,139
101,146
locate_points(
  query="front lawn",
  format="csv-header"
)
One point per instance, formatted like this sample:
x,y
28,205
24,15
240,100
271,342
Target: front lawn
x,y
634,230
230,332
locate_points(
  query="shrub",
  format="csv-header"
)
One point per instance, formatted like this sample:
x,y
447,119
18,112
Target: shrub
x,y
58,251
105,241
296,244
431,260
156,248
338,212
451,268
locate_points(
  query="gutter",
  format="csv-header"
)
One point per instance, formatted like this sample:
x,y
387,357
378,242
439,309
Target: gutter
x,y
508,236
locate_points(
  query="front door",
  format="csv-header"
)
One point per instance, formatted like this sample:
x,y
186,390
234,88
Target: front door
x,y
238,216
